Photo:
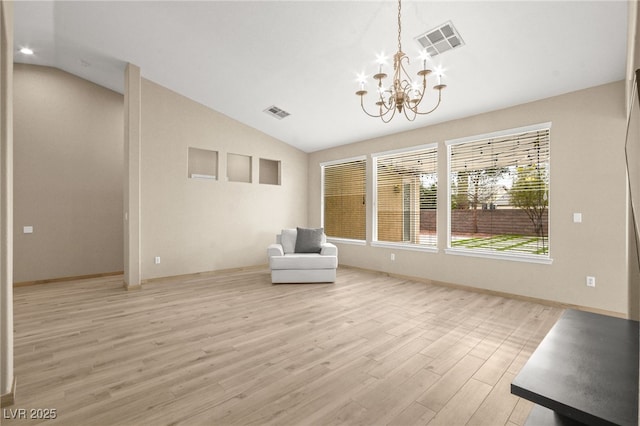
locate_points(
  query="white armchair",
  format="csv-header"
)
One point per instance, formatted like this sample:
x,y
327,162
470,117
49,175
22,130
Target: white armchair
x,y
302,255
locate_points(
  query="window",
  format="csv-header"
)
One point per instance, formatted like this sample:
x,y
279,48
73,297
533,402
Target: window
x,y
406,186
499,194
344,199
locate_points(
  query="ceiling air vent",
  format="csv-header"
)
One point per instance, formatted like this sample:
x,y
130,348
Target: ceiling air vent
x,y
276,112
440,39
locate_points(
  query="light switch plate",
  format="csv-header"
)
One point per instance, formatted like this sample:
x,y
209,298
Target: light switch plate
x,y
27,230
577,218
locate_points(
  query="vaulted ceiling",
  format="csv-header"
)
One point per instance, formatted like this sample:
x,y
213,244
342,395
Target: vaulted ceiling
x,y
241,57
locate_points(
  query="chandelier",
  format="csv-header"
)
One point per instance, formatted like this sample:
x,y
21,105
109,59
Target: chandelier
x,y
404,95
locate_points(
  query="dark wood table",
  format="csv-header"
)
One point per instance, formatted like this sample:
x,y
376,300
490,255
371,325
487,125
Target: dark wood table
x,y
585,370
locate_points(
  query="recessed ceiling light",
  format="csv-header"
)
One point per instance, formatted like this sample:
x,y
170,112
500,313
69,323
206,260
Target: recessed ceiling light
x,y
26,51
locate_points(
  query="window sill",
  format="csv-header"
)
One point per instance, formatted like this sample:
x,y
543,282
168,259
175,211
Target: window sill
x,y
346,241
404,246
500,256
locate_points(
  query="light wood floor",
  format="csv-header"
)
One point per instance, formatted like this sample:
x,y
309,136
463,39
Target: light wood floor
x,y
233,349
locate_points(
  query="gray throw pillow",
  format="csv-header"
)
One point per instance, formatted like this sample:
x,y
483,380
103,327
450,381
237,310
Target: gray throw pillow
x,y
309,240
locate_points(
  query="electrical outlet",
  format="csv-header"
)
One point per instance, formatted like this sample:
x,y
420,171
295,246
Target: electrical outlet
x,y
157,260
591,281
393,257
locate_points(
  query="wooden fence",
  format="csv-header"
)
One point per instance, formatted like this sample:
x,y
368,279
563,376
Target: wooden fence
x,y
505,221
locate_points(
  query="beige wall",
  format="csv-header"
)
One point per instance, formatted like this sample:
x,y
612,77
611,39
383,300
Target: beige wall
x,y
68,167
197,225
587,176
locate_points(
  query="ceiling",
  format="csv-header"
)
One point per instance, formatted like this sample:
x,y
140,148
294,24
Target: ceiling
x,y
240,57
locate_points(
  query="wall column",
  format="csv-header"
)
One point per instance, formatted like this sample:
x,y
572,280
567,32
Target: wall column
x,y
132,148
7,379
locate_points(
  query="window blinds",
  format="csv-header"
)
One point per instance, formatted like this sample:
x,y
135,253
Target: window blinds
x,y
406,191
344,198
499,193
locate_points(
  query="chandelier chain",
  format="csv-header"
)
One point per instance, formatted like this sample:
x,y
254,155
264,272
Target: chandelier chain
x,y
399,26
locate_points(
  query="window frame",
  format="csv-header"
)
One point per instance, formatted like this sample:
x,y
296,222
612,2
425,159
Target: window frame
x,y
519,257
324,164
374,184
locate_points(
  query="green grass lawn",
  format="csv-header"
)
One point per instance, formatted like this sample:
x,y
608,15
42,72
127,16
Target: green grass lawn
x,y
502,243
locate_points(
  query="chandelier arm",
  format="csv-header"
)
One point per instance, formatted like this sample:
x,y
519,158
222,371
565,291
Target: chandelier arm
x,y
390,118
407,115
382,114
417,103
367,112
401,66
382,102
388,108
401,76
435,107
422,92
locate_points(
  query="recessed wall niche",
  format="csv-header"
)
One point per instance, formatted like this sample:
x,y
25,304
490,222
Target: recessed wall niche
x,y
269,172
203,164
238,168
